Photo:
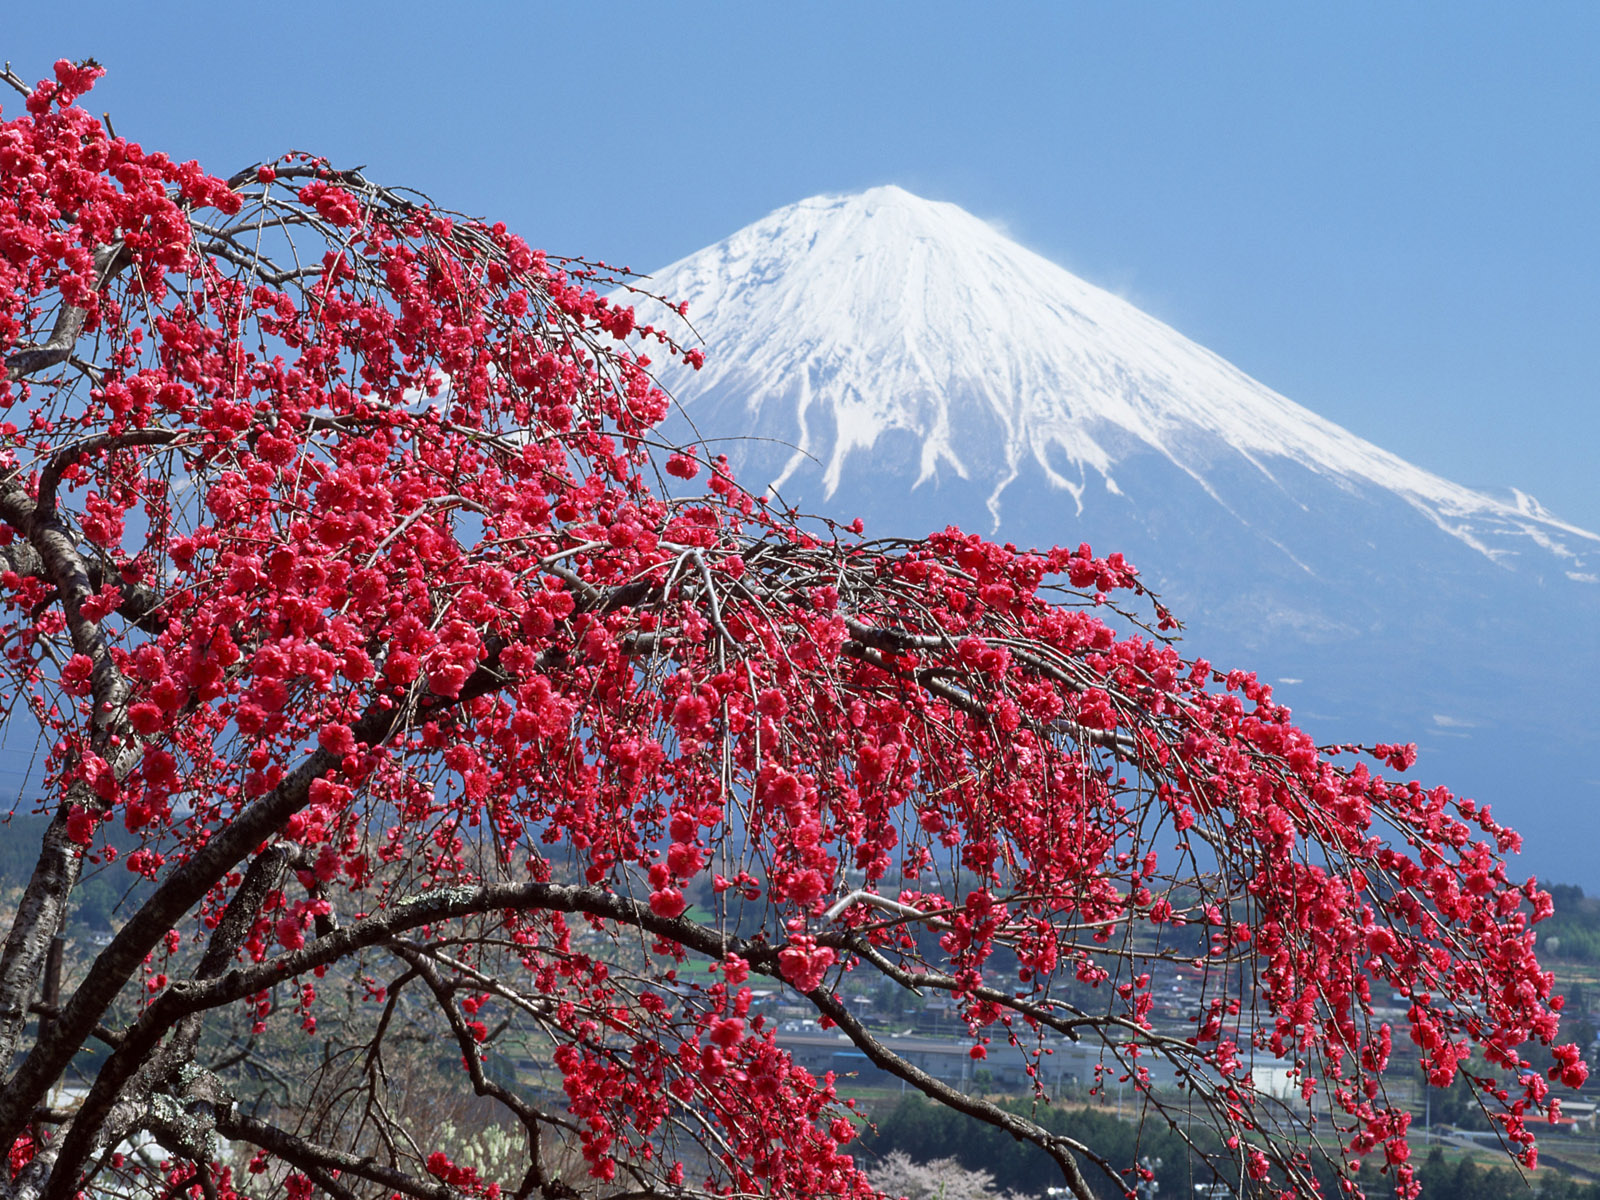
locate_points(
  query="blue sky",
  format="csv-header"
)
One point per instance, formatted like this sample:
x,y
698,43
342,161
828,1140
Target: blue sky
x,y
1386,212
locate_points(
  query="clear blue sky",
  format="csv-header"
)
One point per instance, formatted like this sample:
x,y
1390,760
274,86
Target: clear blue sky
x,y
1389,213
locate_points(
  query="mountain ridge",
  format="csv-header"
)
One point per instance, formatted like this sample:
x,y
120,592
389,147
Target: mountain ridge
x,y
790,291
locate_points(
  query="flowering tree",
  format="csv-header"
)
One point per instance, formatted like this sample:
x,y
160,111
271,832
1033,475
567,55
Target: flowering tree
x,y
339,577
941,1179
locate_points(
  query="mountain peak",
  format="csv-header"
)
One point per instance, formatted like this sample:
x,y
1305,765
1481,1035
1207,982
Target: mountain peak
x,y
845,324
874,201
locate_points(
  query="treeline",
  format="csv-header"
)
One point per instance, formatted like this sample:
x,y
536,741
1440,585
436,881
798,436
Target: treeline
x,y
1573,931
1464,1180
98,898
926,1131
19,845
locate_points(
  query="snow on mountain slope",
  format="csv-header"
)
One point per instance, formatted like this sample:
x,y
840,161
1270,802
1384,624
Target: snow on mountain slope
x,y
840,320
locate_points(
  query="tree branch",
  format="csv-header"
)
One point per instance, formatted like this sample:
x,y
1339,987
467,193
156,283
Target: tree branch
x,y
178,893
531,1118
1058,1147
311,1157
108,262
43,906
129,1078
182,1000
8,76
50,477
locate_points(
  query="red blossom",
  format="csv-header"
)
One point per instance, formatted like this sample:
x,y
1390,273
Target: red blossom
x,y
336,739
667,902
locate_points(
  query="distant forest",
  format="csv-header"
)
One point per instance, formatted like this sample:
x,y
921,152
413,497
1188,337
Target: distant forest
x,y
927,1131
104,886
1574,931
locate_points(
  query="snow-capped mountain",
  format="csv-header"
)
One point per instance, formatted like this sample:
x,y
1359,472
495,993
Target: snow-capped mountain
x,y
897,358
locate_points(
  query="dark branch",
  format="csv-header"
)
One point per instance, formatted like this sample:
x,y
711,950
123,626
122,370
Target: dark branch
x,y
184,999
311,1157
57,349
1059,1148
